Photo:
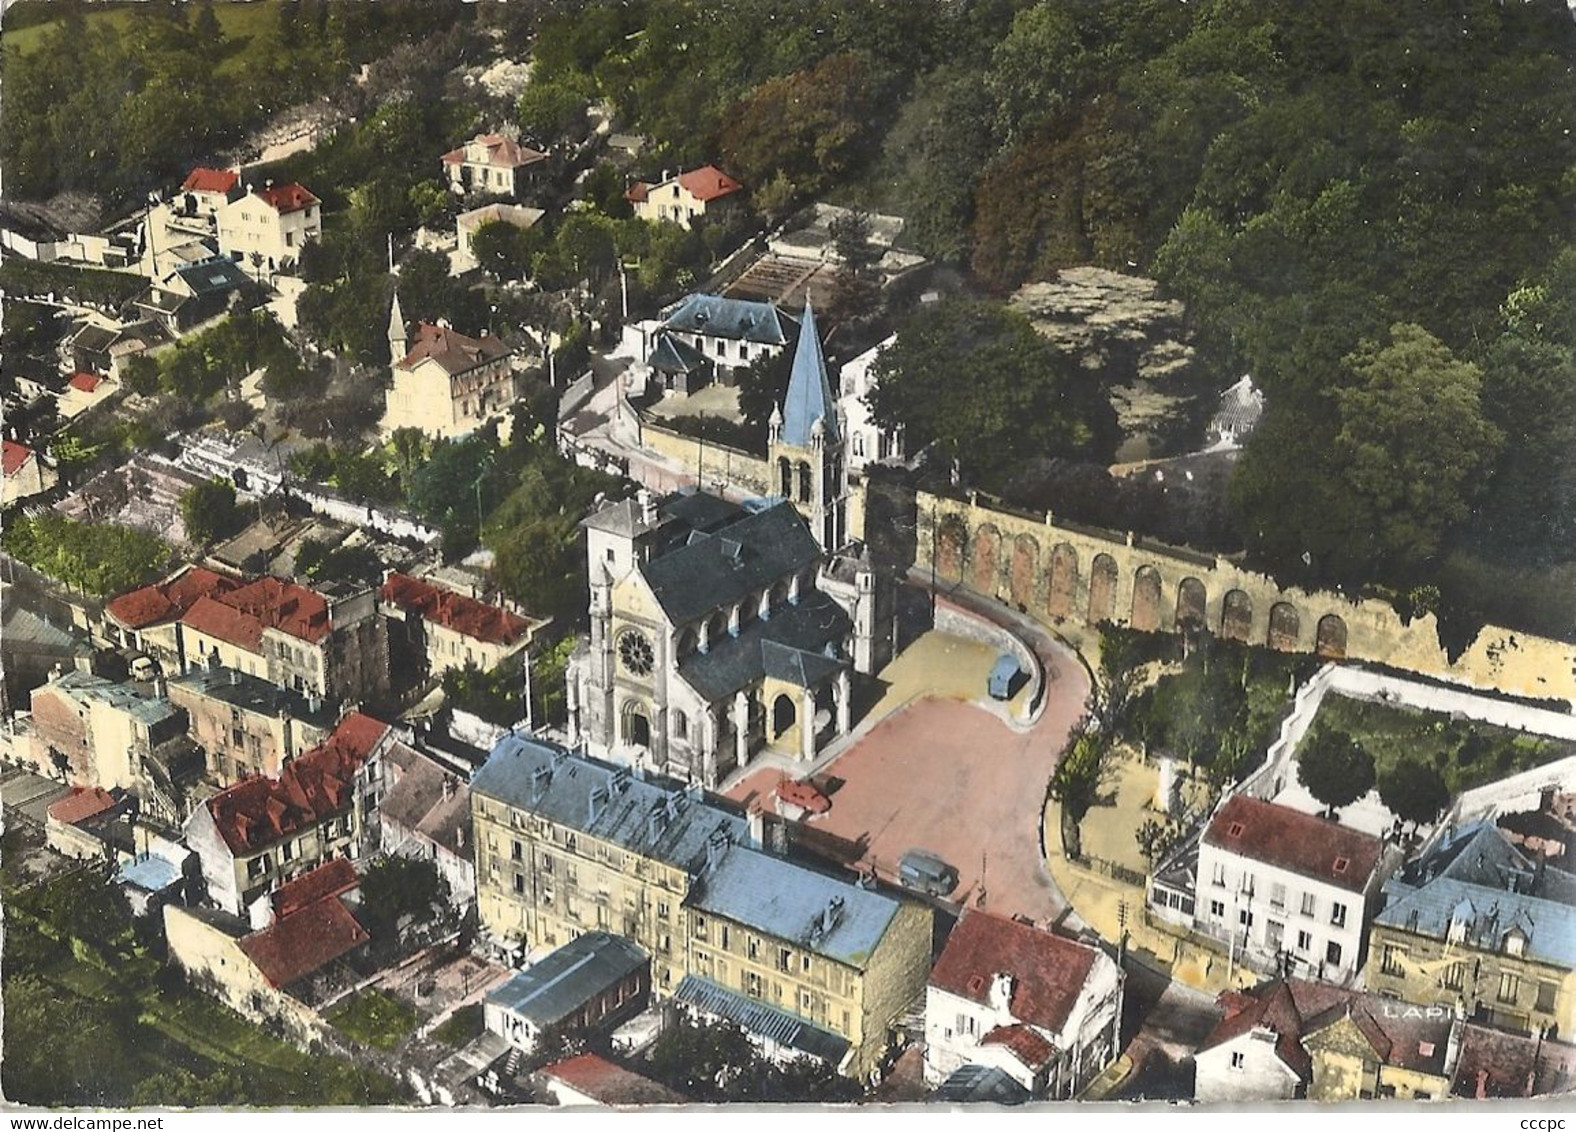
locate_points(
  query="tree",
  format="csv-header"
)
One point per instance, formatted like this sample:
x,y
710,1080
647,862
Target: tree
x,y
1121,665
1413,791
497,696
396,887
504,250
1022,400
1334,768
209,512
1075,786
141,374
856,289
1413,444
555,110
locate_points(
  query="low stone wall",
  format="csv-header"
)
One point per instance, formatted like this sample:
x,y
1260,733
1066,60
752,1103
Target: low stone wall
x,y
731,466
958,622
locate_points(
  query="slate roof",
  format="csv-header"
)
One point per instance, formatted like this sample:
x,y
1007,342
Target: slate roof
x,y
717,568
674,355
789,647
213,276
1301,843
205,180
465,615
258,812
416,802
809,398
1048,971
729,318
755,1017
561,983
255,695
598,1078
981,1084
454,352
16,457
651,818
823,914
295,946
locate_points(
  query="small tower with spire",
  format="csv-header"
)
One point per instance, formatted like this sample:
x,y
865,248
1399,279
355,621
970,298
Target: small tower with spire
x,y
805,444
399,344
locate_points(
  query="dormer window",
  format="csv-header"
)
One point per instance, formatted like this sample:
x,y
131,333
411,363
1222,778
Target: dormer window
x,y
1234,829
1515,943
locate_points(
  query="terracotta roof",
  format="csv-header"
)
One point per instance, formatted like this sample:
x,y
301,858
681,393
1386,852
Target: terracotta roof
x,y
82,803
86,382
454,351
332,879
1048,971
503,152
164,601
16,457
257,812
465,615
241,614
286,198
205,180
804,795
1493,1063
637,192
1026,1045
708,183
600,1079
298,944
1297,842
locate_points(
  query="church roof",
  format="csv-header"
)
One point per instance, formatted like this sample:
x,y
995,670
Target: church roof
x,y
809,396
790,647
714,570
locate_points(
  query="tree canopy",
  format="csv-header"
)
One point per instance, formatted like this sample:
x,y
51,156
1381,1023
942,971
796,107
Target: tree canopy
x,y
1413,791
209,512
1334,768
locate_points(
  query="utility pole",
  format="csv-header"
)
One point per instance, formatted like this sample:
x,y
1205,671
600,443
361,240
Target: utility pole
x,y
530,718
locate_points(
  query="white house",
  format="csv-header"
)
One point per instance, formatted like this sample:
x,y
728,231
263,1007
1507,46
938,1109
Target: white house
x,y
867,441
1287,890
1042,1008
265,229
682,199
491,163
732,334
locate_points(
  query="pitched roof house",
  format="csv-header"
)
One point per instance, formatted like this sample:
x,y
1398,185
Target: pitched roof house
x,y
1009,995
492,163
449,629
25,473
445,384
682,199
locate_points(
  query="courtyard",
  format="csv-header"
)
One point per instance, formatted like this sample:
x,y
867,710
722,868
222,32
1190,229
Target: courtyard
x,y
948,775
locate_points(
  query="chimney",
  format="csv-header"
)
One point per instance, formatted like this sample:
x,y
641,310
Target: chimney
x,y
757,827
1546,800
832,914
448,786
656,823
314,703
1001,992
648,508
235,676
161,687
1482,1084
594,802
459,837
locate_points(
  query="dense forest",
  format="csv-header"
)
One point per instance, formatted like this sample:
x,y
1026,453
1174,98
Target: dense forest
x,y
1367,206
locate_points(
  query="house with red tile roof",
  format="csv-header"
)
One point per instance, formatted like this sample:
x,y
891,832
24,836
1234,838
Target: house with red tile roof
x,y
1284,889
26,473
279,972
1009,995
683,199
445,629
205,190
328,642
493,164
591,1079
445,383
264,229
263,832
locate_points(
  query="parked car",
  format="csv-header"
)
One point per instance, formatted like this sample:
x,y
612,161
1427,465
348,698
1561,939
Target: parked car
x,y
143,667
1004,677
925,872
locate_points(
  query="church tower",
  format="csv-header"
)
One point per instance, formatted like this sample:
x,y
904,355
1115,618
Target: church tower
x,y
805,442
398,342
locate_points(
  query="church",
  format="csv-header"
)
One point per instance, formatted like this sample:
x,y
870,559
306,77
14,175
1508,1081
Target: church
x,y
722,630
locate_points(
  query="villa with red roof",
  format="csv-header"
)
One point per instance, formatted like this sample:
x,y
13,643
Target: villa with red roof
x,y
1007,995
264,229
492,164
25,472
206,190
681,200
263,832
1282,887
445,383
328,642
450,630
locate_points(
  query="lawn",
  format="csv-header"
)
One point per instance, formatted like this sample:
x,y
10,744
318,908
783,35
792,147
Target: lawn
x,y
374,1018
464,1025
244,24
1466,753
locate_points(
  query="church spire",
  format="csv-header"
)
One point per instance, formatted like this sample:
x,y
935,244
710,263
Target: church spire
x,y
397,339
809,398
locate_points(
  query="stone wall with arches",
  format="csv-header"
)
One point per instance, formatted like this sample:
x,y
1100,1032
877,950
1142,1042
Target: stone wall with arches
x,y
1065,572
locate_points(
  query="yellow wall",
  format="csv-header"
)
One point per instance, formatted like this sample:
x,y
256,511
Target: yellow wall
x,y
730,465
1346,1068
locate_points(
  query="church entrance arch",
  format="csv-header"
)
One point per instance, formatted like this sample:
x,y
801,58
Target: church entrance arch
x,y
637,725
783,715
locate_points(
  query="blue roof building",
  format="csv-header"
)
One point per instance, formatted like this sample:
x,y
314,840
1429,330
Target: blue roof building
x,y
590,983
